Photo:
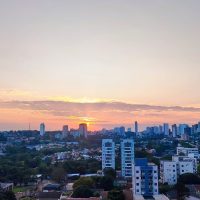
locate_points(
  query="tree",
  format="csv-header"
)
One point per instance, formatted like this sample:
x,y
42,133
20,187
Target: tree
x,y
198,169
106,183
84,181
9,195
109,172
182,191
116,195
58,174
189,179
82,192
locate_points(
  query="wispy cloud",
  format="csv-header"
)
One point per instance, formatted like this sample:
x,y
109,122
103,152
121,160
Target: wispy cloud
x,y
98,114
62,107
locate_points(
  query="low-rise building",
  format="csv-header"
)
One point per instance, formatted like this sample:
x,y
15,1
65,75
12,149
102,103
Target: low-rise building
x,y
168,172
171,170
187,151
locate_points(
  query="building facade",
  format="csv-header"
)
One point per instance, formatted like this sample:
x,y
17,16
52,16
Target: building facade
x,y
168,172
108,154
166,129
145,178
187,151
127,157
42,129
83,130
136,128
65,131
171,170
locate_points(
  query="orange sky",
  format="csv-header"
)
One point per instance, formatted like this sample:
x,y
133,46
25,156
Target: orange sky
x,y
120,61
17,114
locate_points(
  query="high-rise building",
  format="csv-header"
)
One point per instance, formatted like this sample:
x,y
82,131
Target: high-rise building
x,y
127,157
198,129
136,128
145,178
160,129
108,154
119,131
42,129
65,131
174,130
181,129
129,129
166,129
83,130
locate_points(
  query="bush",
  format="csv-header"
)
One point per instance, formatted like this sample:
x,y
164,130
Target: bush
x,y
116,195
82,192
84,181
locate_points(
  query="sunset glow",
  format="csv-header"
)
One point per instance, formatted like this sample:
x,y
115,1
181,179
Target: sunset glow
x,y
104,63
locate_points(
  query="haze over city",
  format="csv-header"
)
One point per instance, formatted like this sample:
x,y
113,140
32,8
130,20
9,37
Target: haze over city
x,y
105,63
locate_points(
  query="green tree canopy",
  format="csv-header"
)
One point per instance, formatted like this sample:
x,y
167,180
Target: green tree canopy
x,y
84,181
116,195
82,192
109,172
189,179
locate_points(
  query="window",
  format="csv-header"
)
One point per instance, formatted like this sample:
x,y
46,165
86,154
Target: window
x,y
137,184
137,172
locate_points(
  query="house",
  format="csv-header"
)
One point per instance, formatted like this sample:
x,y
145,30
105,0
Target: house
x,y
48,196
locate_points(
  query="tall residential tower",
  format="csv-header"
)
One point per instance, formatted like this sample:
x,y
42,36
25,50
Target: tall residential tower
x,y
108,154
127,157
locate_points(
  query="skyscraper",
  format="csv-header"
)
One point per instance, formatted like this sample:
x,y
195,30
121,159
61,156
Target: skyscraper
x,y
65,131
166,129
174,130
42,129
83,129
136,128
127,157
181,129
108,154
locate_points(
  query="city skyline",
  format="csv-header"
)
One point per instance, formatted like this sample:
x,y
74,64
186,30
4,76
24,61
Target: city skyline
x,y
97,62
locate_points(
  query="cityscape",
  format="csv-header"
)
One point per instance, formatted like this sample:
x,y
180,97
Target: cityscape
x,y
148,164
99,100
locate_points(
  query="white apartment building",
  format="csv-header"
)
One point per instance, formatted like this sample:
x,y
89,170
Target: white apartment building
x,y
145,178
187,151
185,164
168,172
171,170
108,154
127,157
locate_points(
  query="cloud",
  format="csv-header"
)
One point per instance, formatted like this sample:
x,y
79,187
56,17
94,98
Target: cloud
x,y
62,108
97,114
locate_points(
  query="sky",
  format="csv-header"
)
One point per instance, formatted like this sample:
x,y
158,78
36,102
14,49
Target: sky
x,y
106,63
